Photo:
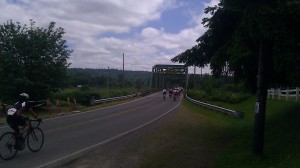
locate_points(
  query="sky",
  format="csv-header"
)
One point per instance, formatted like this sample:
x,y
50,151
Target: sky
x,y
148,32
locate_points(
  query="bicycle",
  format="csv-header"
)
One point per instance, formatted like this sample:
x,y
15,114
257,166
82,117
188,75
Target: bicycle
x,y
175,95
10,144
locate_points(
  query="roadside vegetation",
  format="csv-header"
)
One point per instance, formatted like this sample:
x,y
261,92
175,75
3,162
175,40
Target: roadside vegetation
x,y
85,94
218,140
281,136
59,104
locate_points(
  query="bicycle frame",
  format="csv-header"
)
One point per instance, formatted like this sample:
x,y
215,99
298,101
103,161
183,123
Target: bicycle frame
x,y
31,126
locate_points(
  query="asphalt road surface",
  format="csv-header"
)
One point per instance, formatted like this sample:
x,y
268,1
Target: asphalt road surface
x,y
70,136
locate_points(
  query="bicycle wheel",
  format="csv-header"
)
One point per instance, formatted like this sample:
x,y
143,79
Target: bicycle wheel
x,y
8,142
35,139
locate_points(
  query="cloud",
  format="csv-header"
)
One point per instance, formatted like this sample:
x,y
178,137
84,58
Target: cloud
x,y
100,31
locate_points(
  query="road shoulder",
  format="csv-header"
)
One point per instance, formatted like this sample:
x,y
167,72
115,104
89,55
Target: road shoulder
x,y
175,140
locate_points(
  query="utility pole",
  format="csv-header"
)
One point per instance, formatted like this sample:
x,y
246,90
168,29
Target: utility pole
x,y
123,77
260,105
107,78
194,78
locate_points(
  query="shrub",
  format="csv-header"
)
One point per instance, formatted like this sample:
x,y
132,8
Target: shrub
x,y
219,95
84,95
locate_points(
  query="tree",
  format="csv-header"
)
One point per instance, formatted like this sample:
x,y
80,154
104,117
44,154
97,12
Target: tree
x,y
33,59
232,41
254,38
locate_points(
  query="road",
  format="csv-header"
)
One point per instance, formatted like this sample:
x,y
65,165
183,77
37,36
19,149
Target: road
x,y
70,136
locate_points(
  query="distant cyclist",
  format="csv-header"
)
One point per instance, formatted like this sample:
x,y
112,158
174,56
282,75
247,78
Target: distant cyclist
x,y
164,93
170,92
15,117
174,94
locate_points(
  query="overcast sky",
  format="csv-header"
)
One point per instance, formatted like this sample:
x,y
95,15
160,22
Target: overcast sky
x,y
148,32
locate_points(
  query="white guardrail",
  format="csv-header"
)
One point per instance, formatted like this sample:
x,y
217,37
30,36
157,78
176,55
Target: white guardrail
x,y
141,93
285,93
114,98
236,114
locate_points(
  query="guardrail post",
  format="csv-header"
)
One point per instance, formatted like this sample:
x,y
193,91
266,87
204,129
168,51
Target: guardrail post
x,y
238,114
287,94
58,104
93,100
75,107
69,104
297,93
49,104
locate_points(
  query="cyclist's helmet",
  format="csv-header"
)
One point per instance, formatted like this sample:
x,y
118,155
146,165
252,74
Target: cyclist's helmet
x,y
23,97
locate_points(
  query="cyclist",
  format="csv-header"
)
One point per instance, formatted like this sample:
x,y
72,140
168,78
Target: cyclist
x,y
15,117
164,93
170,92
175,92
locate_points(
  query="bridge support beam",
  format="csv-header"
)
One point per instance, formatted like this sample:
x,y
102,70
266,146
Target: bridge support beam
x,y
165,76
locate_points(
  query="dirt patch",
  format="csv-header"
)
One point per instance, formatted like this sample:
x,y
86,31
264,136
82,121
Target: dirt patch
x,y
176,140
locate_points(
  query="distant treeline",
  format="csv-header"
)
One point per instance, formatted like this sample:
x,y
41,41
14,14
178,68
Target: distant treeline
x,y
107,77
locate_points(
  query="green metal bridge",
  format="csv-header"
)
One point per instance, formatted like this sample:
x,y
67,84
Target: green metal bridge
x,y
168,76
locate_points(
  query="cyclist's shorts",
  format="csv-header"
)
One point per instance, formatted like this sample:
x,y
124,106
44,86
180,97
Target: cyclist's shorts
x,y
15,120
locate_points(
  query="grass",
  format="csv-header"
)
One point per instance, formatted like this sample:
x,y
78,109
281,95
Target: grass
x,y
281,147
185,141
213,139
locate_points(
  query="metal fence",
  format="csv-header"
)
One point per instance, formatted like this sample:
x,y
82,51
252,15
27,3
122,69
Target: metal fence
x,y
141,93
236,114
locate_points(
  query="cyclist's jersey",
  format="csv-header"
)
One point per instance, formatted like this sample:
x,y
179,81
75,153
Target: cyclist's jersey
x,y
22,107
15,116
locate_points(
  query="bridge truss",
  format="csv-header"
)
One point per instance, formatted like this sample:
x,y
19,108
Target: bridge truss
x,y
167,76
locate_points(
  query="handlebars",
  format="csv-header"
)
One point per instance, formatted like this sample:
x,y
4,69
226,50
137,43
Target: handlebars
x,y
35,122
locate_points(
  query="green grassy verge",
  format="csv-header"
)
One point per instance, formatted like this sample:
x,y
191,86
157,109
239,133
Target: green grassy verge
x,y
213,139
281,137
186,140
